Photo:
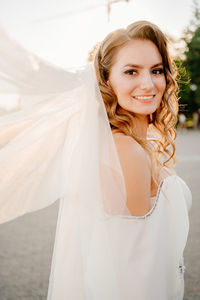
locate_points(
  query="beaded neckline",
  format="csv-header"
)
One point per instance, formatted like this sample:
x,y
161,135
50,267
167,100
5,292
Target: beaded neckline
x,y
131,217
154,205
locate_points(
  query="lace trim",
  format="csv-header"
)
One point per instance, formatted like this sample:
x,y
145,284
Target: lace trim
x,y
181,266
182,269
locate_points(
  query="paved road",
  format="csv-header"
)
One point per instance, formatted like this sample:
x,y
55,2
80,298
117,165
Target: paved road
x,y
188,154
26,244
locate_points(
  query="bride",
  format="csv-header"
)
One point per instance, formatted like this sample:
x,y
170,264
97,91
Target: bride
x,y
101,140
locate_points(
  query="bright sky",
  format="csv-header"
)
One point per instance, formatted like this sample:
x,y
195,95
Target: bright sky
x,y
63,31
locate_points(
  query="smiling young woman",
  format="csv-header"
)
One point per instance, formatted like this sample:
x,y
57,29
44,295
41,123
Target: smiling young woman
x,y
137,81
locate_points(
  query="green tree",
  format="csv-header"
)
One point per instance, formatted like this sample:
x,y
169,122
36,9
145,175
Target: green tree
x,y
190,66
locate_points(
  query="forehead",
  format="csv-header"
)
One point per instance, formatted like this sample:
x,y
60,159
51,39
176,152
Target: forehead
x,y
140,52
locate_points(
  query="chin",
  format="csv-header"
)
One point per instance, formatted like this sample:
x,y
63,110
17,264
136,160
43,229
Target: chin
x,y
143,112
148,111
144,109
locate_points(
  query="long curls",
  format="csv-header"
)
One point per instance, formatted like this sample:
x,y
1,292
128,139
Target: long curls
x,y
161,131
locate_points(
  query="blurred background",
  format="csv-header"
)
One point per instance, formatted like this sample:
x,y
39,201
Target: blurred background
x,y
65,33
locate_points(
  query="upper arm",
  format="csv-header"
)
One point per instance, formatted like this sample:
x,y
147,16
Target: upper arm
x,y
137,174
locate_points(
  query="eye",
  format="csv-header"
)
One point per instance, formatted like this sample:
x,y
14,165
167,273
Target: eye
x,y
158,71
130,72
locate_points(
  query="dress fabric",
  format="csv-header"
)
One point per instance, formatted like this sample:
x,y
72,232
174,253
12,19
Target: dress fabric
x,y
57,144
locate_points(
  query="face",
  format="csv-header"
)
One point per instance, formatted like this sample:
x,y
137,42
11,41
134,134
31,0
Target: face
x,y
137,77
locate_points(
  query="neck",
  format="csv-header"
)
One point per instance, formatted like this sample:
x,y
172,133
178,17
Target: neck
x,y
141,125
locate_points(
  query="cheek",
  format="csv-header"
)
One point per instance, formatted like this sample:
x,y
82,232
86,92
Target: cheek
x,y
114,83
120,85
161,85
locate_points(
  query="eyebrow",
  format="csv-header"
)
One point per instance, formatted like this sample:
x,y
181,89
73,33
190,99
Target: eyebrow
x,y
139,67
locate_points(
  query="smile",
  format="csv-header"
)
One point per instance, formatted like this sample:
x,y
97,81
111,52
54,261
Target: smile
x,y
143,97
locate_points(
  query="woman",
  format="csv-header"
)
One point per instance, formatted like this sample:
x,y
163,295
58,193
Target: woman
x,y
137,81
123,217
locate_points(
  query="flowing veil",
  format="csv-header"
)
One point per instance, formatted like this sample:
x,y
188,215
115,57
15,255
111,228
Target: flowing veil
x,y
57,144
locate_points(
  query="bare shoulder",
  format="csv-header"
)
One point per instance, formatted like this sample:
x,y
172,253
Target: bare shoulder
x,y
137,173
130,147
124,141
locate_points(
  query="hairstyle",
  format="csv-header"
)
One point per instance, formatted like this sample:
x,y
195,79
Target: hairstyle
x,y
162,122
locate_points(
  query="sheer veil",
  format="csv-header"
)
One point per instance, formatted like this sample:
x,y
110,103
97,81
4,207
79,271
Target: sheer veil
x,y
57,144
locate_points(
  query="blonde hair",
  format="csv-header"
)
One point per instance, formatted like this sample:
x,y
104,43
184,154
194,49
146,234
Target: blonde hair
x,y
163,120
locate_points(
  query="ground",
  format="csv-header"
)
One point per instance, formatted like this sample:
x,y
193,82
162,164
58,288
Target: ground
x,y
188,150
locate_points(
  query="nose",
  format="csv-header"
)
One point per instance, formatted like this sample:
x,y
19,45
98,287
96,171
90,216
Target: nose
x,y
146,81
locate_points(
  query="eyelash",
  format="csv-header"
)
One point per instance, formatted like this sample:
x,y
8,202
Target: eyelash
x,y
158,70
130,72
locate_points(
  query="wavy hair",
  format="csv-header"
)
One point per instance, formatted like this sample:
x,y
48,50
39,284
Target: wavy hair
x,y
162,122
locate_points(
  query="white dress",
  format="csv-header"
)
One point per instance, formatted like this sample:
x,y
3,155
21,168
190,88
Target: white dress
x,y
159,256
58,145
153,244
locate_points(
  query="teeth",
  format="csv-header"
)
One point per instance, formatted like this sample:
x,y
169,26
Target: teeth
x,y
147,97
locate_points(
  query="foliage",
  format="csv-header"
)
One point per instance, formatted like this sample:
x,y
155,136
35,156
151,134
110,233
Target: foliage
x,y
189,68
183,80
